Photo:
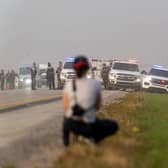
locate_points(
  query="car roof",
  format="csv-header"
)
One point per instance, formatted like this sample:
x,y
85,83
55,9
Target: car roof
x,y
160,68
126,62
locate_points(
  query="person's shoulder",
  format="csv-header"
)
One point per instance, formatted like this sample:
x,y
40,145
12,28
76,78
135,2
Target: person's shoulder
x,y
95,82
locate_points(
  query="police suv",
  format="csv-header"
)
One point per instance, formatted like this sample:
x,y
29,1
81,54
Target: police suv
x,y
67,73
25,76
156,80
125,74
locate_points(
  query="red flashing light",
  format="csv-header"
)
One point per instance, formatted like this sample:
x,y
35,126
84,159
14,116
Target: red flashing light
x,y
162,82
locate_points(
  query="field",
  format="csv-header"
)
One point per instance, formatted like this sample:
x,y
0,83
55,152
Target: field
x,y
142,141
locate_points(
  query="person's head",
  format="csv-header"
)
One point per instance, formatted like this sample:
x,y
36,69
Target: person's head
x,y
81,66
60,64
49,64
104,65
34,64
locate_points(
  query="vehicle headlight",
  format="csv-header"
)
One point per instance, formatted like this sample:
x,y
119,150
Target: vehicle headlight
x,y
138,80
63,75
112,76
147,78
28,81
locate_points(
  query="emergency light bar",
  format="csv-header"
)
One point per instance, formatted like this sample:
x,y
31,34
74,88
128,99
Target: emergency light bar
x,y
133,61
157,66
70,59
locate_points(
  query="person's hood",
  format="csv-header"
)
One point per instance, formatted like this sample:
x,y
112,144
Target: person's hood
x,y
157,77
125,72
67,70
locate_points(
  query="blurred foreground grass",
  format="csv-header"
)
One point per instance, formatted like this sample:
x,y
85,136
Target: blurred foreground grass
x,y
142,141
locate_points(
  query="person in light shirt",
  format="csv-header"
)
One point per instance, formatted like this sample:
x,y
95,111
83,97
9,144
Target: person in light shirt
x,y
81,101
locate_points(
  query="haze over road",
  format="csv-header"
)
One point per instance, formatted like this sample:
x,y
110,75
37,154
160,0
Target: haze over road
x,y
15,125
16,97
23,130
42,31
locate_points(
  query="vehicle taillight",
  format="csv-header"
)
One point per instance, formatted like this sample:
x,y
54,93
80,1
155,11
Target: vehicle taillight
x,y
163,82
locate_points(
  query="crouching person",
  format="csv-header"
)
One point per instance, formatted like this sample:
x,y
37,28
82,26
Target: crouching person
x,y
81,100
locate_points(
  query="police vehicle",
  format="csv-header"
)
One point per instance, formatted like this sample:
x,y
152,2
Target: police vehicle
x,y
67,73
125,74
42,75
25,76
156,80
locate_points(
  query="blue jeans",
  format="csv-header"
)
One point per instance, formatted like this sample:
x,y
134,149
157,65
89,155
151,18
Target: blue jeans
x,y
97,131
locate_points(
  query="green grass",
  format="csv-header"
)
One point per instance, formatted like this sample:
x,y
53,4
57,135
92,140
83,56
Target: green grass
x,y
152,118
8,166
141,143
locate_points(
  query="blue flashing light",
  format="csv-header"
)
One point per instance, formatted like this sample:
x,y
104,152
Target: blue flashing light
x,y
157,66
69,59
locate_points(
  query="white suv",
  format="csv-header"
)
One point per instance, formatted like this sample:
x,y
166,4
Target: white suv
x,y
156,80
67,73
125,74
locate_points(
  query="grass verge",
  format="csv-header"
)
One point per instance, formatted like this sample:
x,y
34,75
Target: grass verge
x,y
140,143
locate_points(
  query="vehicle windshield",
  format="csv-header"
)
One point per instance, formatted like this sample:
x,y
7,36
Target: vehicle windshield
x,y
43,71
159,72
68,65
126,67
25,71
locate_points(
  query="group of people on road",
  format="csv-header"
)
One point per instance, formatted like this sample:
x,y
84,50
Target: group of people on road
x,y
50,76
105,75
8,80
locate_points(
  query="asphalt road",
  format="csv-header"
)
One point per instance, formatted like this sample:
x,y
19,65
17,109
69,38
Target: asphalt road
x,y
12,98
23,131
15,125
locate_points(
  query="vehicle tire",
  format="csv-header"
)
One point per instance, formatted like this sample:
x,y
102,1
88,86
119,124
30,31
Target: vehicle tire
x,y
138,89
113,87
39,85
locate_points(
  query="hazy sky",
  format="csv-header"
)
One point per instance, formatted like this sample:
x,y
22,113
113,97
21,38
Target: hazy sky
x,y
49,30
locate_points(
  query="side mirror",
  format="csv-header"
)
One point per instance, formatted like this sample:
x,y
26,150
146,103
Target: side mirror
x,y
144,72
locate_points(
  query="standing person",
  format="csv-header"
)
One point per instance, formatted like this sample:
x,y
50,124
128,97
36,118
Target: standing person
x,y
104,75
58,71
33,76
2,79
7,78
51,76
109,69
81,100
12,79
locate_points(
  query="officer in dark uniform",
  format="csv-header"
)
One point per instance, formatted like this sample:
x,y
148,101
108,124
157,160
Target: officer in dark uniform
x,y
33,76
109,69
2,79
7,78
51,76
104,75
12,79
58,71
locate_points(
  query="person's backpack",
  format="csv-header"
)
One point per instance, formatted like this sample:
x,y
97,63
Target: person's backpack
x,y
77,109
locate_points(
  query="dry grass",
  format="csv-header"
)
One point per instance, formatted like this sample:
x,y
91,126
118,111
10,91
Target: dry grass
x,y
116,151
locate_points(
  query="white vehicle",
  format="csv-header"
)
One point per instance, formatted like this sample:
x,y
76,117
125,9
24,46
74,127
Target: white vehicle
x,y
25,76
125,74
42,75
156,80
97,65
67,73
